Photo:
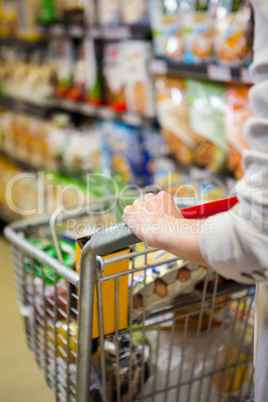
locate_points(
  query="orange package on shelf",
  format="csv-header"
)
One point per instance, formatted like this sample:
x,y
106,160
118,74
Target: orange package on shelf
x,y
237,113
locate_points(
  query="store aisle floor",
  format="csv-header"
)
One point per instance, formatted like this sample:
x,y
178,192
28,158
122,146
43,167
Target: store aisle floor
x,y
20,380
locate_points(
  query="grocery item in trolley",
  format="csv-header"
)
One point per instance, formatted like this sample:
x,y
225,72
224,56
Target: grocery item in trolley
x,y
166,29
108,292
233,33
237,113
162,282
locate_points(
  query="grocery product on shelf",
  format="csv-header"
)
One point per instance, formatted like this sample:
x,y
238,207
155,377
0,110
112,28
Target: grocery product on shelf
x,y
237,113
155,157
233,32
93,75
123,151
62,59
166,29
139,85
27,14
134,12
198,30
8,18
108,12
114,76
24,79
207,106
173,116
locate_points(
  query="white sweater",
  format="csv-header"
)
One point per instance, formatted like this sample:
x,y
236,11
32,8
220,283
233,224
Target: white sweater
x,y
238,247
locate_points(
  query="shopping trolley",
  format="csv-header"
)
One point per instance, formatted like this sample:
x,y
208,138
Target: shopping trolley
x,y
83,327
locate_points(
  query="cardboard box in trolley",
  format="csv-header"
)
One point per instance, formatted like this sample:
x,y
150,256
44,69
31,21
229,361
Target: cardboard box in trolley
x,y
108,292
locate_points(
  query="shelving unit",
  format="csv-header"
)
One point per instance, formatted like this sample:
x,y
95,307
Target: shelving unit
x,y
76,31
43,109
202,71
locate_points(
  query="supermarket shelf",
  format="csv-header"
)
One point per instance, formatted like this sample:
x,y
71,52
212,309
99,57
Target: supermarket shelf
x,y
23,106
117,32
24,44
202,71
101,112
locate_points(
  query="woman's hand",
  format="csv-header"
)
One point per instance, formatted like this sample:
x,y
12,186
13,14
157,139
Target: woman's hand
x,y
158,222
147,218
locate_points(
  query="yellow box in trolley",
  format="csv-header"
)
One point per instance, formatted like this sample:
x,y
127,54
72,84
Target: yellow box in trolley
x,y
108,292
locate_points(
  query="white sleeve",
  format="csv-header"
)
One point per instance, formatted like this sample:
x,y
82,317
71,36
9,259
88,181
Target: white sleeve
x,y
237,247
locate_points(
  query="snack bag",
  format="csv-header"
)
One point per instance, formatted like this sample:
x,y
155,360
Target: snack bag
x,y
123,152
238,111
139,86
198,30
77,92
155,151
62,60
108,12
83,150
207,105
134,12
114,76
173,116
165,24
93,79
233,32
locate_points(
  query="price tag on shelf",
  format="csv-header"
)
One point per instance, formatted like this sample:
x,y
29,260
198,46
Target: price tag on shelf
x,y
219,73
157,66
105,113
245,75
75,31
57,30
94,32
87,109
122,32
132,119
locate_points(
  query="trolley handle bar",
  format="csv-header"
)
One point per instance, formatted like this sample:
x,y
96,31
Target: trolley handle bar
x,y
119,236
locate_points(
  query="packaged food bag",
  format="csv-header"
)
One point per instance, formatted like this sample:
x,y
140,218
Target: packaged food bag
x,y
139,85
123,152
62,59
166,29
233,32
93,78
83,150
114,76
173,116
198,30
207,106
155,154
108,12
134,12
238,111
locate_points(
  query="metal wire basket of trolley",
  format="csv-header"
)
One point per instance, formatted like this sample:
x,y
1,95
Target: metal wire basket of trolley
x,y
124,322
